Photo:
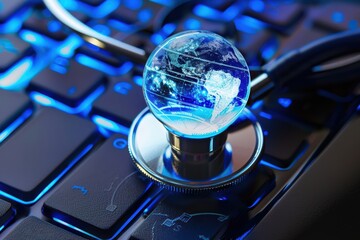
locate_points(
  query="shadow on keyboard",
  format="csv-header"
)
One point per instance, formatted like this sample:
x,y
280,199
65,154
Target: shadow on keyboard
x,y
66,107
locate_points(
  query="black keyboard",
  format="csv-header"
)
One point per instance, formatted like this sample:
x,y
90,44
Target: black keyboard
x,y
66,107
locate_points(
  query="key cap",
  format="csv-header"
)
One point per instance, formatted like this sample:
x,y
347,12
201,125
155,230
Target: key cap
x,y
337,16
43,22
12,51
25,163
250,45
257,186
67,81
144,15
115,102
10,8
34,228
277,15
308,108
103,191
282,140
186,217
5,212
303,34
12,106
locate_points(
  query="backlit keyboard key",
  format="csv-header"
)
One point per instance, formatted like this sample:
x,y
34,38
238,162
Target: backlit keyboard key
x,y
186,217
337,16
34,228
41,152
14,106
67,81
102,193
277,15
13,50
11,9
282,140
122,101
308,108
5,213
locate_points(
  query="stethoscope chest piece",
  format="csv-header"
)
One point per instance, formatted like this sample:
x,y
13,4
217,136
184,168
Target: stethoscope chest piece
x,y
161,157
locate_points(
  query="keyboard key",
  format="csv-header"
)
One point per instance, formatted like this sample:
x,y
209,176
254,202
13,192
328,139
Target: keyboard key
x,y
250,45
186,217
114,103
278,16
41,21
308,108
257,186
5,212
12,106
25,167
12,50
9,8
282,140
128,17
34,228
67,81
302,34
337,16
102,193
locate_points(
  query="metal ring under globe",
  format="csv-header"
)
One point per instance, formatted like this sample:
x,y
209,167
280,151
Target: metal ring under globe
x,y
148,146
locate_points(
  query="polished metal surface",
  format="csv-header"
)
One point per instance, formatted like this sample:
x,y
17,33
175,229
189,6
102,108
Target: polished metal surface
x,y
152,154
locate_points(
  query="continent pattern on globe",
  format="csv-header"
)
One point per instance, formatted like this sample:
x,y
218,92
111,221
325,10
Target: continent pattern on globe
x,y
196,83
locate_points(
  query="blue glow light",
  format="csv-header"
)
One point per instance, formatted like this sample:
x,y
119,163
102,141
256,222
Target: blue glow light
x,y
122,87
120,143
257,104
145,15
192,24
169,28
257,5
54,26
130,219
138,80
103,29
248,24
157,38
213,14
255,202
245,234
99,11
109,124
285,102
14,23
14,125
265,115
84,106
36,39
51,184
133,4
68,47
2,227
121,26
101,66
353,24
164,2
15,75
337,17
269,49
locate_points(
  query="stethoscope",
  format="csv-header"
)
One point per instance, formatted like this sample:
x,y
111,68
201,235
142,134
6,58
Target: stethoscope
x,y
153,149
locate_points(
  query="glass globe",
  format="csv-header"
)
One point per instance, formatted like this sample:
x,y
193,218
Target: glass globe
x,y
196,83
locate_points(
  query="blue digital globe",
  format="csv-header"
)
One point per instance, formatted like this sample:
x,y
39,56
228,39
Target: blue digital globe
x,y
196,83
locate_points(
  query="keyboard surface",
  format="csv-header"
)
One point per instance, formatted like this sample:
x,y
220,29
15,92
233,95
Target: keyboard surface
x,y
66,108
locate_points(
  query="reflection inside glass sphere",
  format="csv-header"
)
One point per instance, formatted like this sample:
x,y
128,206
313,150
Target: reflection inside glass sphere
x,y
196,83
